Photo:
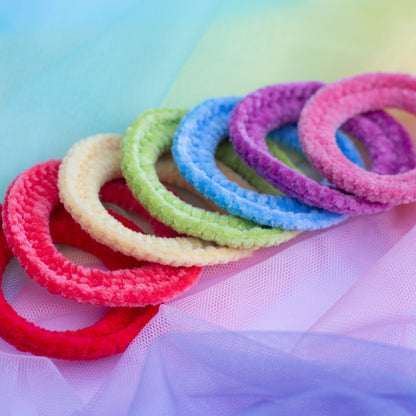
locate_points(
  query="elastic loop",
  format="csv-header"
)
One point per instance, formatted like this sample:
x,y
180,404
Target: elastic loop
x,y
146,139
111,335
26,225
196,140
94,161
334,105
276,105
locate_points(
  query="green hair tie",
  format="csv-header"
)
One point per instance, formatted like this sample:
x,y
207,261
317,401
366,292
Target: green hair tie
x,y
150,135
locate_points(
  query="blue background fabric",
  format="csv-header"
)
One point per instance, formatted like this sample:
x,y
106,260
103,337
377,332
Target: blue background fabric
x,y
73,69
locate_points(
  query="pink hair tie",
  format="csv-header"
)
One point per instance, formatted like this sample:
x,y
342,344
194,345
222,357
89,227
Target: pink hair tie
x,y
26,225
335,104
271,107
111,335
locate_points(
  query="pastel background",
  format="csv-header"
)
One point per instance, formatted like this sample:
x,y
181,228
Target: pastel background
x,y
344,298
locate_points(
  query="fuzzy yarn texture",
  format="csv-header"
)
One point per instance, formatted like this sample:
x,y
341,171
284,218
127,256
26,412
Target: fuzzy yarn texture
x,y
96,160
146,139
195,142
226,155
338,102
168,173
388,144
111,335
26,226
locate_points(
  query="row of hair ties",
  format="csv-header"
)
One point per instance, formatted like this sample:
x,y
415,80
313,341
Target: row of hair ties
x,y
62,201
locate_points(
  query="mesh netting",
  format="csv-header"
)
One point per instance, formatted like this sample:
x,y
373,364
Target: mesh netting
x,y
355,279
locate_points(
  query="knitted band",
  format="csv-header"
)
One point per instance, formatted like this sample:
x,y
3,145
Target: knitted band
x,y
92,162
273,106
149,136
168,173
26,226
195,142
225,154
111,335
336,103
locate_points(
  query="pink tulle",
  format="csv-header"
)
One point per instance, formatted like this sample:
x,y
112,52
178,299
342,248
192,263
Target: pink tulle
x,y
355,279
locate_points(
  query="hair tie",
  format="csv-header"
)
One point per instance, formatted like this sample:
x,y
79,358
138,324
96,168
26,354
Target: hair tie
x,y
26,226
149,136
335,104
111,335
276,105
168,173
196,139
86,167
225,154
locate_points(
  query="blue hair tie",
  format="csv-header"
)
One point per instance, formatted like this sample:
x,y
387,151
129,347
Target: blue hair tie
x,y
196,139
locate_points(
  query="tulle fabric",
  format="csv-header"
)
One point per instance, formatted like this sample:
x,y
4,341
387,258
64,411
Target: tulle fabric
x,y
228,373
331,330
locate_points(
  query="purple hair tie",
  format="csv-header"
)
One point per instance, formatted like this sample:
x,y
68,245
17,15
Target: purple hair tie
x,y
197,137
388,144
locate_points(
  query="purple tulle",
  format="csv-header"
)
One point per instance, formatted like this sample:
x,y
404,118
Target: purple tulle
x,y
271,373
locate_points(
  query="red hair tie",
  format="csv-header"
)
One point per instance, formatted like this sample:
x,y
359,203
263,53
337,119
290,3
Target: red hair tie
x,y
111,335
29,202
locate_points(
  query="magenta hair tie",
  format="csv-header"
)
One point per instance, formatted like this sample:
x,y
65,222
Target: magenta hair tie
x,y
26,226
111,335
273,106
335,104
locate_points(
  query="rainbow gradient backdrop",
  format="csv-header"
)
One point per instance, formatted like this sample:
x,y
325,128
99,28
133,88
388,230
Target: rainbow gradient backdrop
x,y
75,68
